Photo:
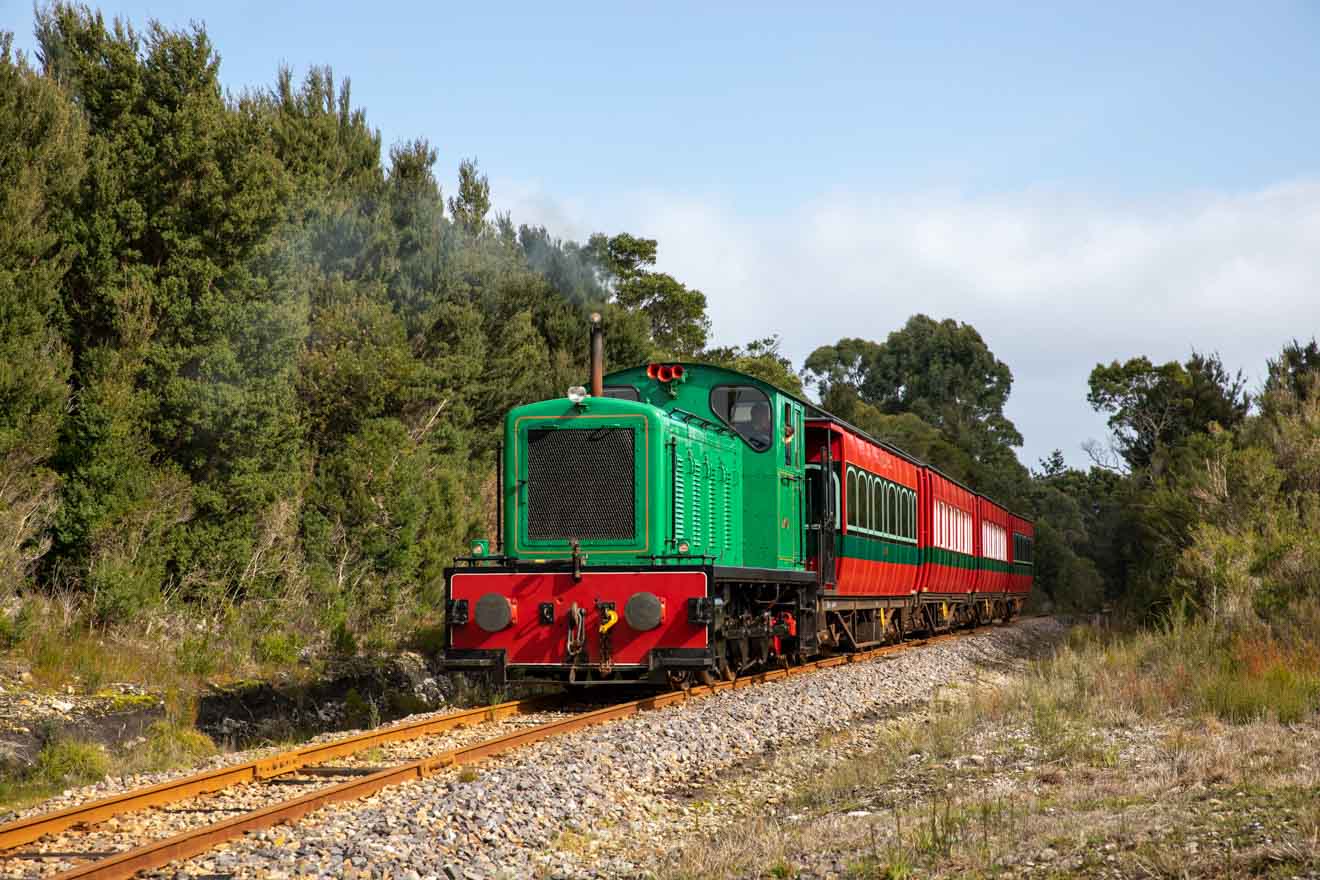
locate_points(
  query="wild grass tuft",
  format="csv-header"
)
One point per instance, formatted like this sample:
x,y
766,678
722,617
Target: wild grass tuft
x,y
170,744
71,762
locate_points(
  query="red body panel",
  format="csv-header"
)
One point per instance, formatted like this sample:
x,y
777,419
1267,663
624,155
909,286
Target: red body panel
x,y
989,580
938,576
868,577
528,641
864,577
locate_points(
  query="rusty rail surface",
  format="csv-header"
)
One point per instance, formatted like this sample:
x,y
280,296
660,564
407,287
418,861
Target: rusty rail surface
x,y
161,852
21,831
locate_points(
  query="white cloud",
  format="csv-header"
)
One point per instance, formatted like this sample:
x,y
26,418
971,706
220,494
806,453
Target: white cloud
x,y
1055,281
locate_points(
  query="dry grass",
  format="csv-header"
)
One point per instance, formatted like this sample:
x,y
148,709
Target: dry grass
x,y
1188,751
175,649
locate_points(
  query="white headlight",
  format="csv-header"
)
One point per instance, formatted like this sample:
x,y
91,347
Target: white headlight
x,y
577,394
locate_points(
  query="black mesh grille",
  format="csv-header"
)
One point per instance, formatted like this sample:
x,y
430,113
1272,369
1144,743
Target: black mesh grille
x,y
580,484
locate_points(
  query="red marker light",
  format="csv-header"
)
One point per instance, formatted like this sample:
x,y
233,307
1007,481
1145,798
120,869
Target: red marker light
x,y
676,371
665,373
652,370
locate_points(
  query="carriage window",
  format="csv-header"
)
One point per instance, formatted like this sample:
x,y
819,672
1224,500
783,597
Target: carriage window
x,y
851,500
747,411
881,503
863,502
622,392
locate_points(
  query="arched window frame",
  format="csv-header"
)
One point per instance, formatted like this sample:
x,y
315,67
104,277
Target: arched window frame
x,y
895,524
881,508
852,497
864,501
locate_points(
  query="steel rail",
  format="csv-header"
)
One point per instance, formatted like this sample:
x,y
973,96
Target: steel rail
x,y
21,831
157,854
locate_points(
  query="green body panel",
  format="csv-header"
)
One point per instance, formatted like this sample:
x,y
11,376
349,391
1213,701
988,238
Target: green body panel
x,y
951,558
772,485
706,497
687,480
697,481
880,549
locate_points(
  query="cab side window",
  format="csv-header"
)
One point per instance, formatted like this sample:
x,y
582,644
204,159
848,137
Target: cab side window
x,y
747,410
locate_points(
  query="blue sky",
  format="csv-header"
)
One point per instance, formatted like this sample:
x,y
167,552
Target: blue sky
x,y
1080,182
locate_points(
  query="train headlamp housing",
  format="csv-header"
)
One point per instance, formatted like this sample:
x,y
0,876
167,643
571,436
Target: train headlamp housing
x,y
480,548
684,547
577,394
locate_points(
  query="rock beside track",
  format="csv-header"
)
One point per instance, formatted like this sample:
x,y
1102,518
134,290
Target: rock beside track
x,y
354,692
607,801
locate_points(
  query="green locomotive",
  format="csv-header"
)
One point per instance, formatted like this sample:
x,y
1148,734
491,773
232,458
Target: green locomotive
x,y
686,521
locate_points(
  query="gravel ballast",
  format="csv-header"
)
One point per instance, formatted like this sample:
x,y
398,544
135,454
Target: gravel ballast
x,y
607,801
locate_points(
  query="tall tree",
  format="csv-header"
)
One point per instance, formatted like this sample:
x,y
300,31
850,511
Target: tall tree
x,y
1153,407
470,207
679,325
41,168
1295,372
940,371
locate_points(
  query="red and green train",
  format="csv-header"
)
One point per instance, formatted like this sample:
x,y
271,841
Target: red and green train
x,y
687,522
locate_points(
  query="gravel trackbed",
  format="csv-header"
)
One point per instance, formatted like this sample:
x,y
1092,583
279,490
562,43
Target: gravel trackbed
x,y
621,786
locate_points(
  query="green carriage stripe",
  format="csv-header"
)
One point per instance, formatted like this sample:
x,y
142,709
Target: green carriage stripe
x,y
950,558
875,549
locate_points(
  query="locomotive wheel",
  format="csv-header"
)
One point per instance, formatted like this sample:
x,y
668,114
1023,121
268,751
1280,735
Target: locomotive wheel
x,y
726,671
707,677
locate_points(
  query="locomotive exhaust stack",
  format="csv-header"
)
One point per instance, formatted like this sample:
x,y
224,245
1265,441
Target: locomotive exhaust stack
x,y
597,357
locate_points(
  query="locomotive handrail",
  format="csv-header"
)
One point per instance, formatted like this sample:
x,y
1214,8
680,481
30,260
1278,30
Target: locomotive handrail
x,y
686,417
657,557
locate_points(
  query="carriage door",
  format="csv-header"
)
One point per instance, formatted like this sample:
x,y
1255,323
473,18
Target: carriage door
x,y
792,501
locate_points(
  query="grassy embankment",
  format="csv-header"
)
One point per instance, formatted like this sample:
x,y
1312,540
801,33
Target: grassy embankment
x,y
174,654
1184,751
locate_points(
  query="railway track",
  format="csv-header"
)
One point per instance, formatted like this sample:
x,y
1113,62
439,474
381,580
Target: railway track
x,y
282,788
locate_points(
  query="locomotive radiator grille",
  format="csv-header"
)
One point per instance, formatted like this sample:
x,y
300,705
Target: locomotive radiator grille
x,y
581,483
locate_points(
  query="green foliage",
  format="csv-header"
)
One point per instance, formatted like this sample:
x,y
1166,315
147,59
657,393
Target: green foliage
x,y
940,371
1295,374
70,762
679,325
1152,407
41,168
470,208
243,357
169,744
277,649
760,358
1284,694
